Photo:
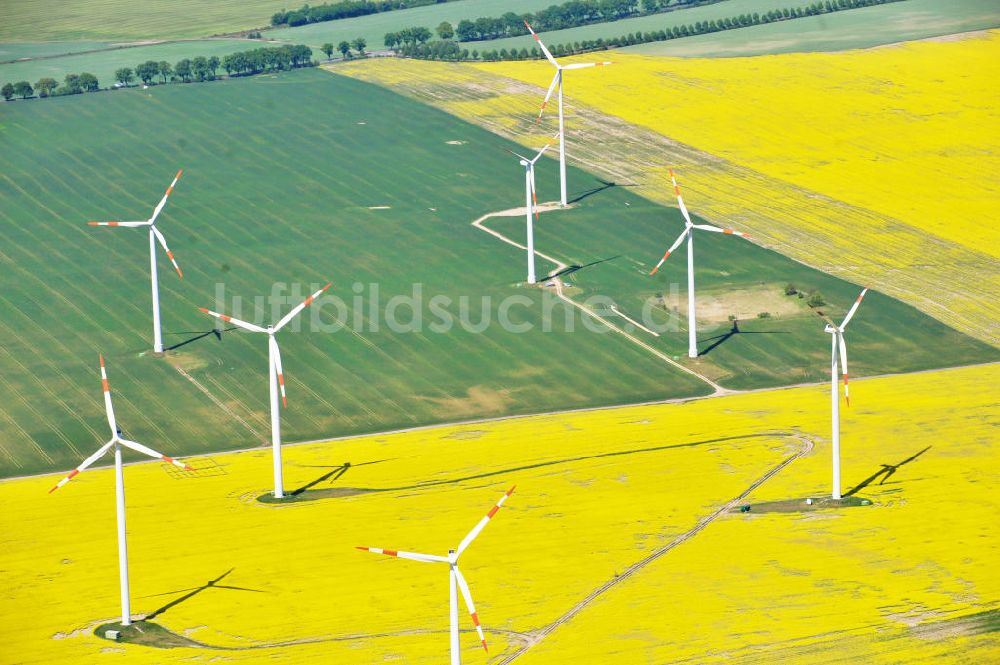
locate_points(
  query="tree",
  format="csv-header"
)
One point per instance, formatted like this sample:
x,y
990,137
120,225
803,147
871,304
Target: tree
x,y
466,30
199,67
345,49
124,75
89,82
422,34
391,39
445,31
24,89
147,71
816,299
7,91
72,85
359,45
165,70
328,49
213,65
45,86
183,69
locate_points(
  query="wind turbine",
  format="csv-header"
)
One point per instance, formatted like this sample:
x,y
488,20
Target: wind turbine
x,y
558,79
839,349
154,236
531,204
687,233
455,579
117,442
276,380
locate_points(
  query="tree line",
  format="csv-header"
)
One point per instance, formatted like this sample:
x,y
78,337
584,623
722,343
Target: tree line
x,y
344,9
187,70
447,49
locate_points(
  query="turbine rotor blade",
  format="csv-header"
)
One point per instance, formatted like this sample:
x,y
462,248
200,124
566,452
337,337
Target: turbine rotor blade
x,y
534,194
670,251
586,65
716,229
843,364
298,308
518,155
276,355
413,556
467,595
145,450
109,409
854,308
482,524
548,95
128,224
170,255
540,153
680,200
163,201
236,322
87,462
548,55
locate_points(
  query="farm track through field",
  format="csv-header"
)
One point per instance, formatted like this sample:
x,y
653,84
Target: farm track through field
x,y
807,446
952,283
560,266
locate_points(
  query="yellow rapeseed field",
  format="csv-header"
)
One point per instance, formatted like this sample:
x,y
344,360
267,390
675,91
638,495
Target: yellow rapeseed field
x,y
877,166
911,131
597,492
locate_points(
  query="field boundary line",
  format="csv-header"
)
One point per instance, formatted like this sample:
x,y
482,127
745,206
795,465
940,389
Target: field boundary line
x,y
516,416
560,266
807,447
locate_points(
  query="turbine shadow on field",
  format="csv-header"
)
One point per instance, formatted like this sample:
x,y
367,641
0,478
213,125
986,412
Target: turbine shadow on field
x,y
569,270
735,330
191,592
570,460
197,336
334,474
886,471
605,185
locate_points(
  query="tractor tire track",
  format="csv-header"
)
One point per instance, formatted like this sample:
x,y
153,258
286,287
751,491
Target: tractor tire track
x,y
807,445
219,403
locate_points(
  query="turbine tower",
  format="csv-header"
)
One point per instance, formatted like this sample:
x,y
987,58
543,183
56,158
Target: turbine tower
x,y
838,350
558,80
531,205
456,581
276,378
687,233
154,236
117,442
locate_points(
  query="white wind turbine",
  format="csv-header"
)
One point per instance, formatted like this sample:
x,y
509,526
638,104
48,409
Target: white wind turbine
x,y
455,579
687,233
276,380
839,349
154,235
531,205
117,442
558,80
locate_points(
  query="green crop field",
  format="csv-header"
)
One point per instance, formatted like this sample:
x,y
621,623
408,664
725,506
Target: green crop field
x,y
341,181
122,20
859,28
17,50
103,64
662,21
617,237
374,26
